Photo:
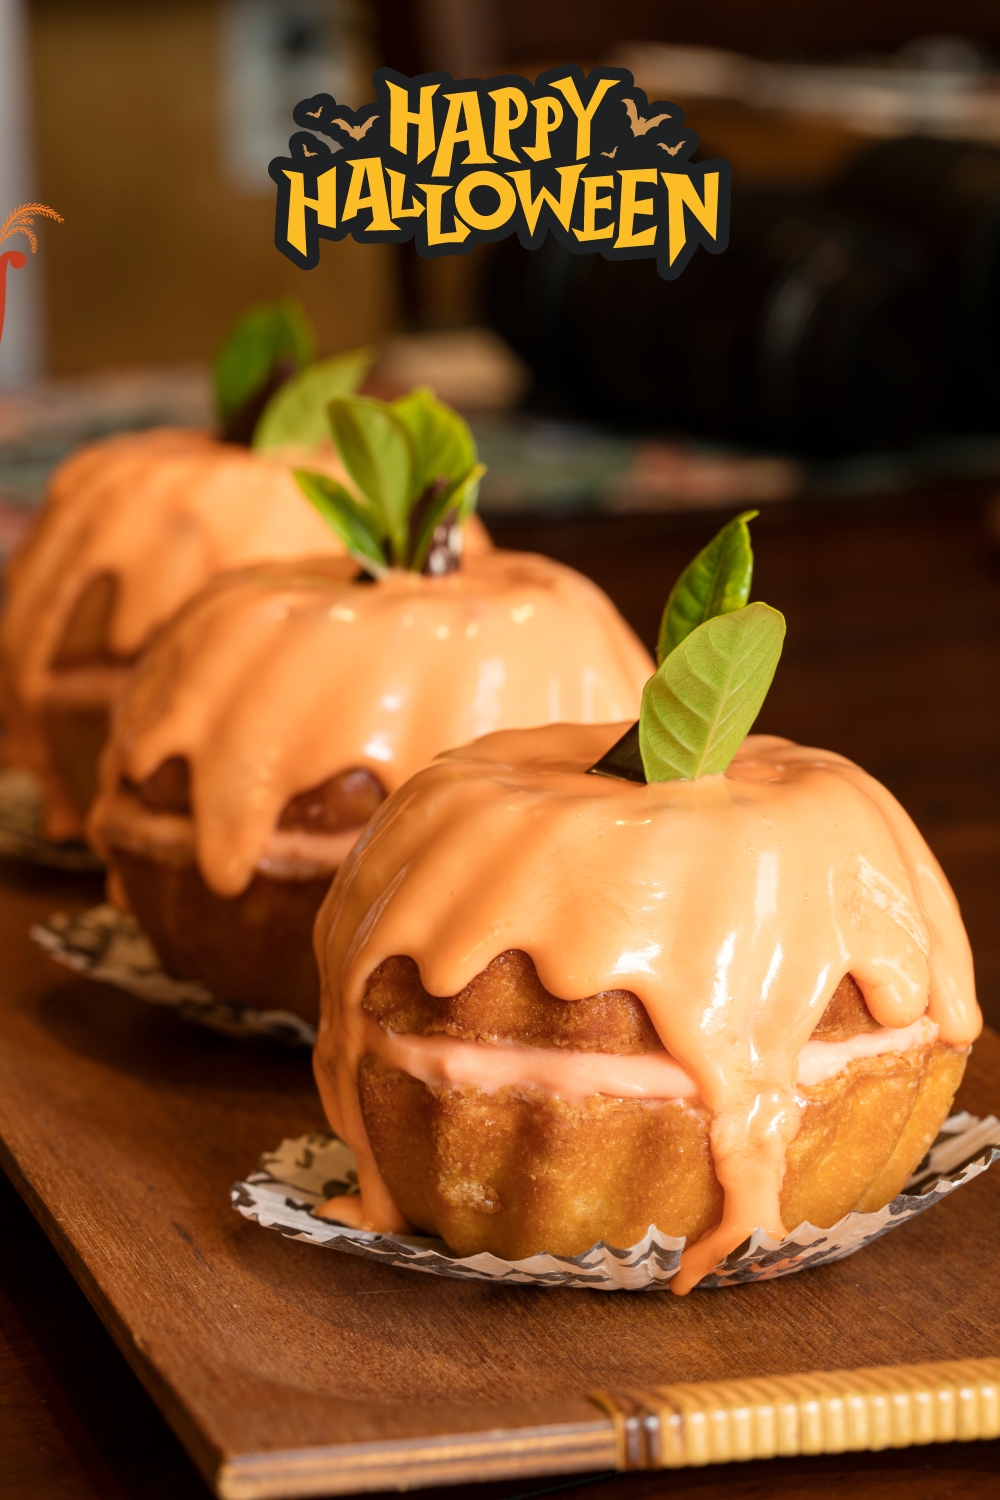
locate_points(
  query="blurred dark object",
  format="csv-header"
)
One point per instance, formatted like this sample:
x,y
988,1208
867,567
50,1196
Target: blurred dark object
x,y
578,29
992,523
949,193
811,333
240,426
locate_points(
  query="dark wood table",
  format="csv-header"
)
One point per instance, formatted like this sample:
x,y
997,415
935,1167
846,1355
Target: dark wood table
x,y
893,657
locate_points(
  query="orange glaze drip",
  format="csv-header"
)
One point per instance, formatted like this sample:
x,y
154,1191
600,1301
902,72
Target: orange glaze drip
x,y
170,838
163,511
276,678
732,906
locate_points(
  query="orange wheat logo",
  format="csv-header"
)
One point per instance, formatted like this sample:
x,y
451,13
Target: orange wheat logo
x,y
20,220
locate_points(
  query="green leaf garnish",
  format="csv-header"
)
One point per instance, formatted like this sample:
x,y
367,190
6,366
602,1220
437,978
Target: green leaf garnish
x,y
717,657
356,527
716,582
443,446
263,338
377,451
414,464
297,413
701,701
465,495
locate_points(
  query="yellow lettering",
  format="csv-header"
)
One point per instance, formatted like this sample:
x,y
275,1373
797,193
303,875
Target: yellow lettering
x,y
463,106
435,236
507,119
592,204
503,190
397,188
562,206
368,169
571,94
324,206
401,117
628,237
681,194
548,117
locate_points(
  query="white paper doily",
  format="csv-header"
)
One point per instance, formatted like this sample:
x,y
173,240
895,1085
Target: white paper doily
x,y
106,945
291,1181
21,827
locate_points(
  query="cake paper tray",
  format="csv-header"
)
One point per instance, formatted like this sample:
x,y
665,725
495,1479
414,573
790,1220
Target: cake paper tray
x,y
293,1180
110,947
285,1373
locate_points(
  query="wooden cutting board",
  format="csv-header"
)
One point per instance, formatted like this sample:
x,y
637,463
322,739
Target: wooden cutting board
x,y
289,1370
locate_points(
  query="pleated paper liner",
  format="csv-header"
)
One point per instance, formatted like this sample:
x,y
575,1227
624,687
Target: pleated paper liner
x,y
110,947
293,1180
21,834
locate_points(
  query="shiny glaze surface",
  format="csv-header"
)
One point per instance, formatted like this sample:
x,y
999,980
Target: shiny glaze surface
x,y
732,906
275,678
162,512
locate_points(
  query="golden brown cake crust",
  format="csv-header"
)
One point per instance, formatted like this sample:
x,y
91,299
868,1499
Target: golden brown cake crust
x,y
76,734
846,1015
168,789
507,1002
864,1130
519,1170
346,800
254,949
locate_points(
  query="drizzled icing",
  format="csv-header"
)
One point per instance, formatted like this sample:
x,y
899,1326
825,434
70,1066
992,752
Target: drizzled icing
x,y
732,906
163,512
276,678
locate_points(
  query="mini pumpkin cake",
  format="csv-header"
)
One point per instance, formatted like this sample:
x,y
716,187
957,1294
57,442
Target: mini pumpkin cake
x,y
280,706
133,525
579,982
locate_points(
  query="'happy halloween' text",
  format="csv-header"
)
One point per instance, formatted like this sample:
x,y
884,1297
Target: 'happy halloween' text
x,y
583,157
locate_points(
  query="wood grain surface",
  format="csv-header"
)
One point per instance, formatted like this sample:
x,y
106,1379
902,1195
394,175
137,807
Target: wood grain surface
x,y
131,1125
123,1128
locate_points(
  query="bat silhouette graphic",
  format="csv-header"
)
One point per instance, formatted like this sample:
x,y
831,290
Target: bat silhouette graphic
x,y
639,125
670,150
356,131
610,153
307,152
314,114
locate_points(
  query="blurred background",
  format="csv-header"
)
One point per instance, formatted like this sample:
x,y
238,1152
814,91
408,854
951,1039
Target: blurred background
x,y
838,366
847,341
